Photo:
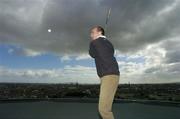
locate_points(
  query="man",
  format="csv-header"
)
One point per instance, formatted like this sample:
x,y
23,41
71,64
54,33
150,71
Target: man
x,y
102,50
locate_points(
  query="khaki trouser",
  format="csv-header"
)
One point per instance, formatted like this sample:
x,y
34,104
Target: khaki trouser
x,y
108,87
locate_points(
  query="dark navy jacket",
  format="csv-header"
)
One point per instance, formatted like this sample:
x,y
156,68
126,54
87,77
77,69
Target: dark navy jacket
x,y
102,51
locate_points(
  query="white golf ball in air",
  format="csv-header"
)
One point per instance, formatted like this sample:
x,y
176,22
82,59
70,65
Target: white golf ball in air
x,y
49,30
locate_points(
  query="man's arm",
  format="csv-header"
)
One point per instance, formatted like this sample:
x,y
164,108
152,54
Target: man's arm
x,y
101,50
91,50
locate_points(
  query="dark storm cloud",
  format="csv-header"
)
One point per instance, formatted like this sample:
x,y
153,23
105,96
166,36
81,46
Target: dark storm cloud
x,y
172,51
143,23
170,64
173,57
132,26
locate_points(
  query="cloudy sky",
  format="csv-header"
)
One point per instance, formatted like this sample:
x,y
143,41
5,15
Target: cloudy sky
x,y
145,35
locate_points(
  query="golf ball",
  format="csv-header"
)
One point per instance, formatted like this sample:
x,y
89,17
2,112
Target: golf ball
x,y
49,30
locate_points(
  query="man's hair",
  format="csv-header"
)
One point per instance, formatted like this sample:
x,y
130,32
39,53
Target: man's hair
x,y
100,28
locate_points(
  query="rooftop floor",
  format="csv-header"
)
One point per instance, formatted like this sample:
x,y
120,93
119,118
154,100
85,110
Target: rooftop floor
x,y
79,110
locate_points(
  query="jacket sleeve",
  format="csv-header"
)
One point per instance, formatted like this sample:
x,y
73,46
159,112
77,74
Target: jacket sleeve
x,y
101,50
91,50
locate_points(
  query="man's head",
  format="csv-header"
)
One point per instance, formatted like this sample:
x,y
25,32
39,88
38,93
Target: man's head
x,y
96,31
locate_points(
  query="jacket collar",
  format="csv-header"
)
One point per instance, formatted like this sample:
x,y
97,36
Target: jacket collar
x,y
102,36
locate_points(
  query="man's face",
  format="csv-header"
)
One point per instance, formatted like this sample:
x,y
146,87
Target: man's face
x,y
94,33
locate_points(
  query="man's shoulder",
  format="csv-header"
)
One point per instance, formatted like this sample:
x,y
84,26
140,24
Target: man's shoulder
x,y
102,38
99,41
95,41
